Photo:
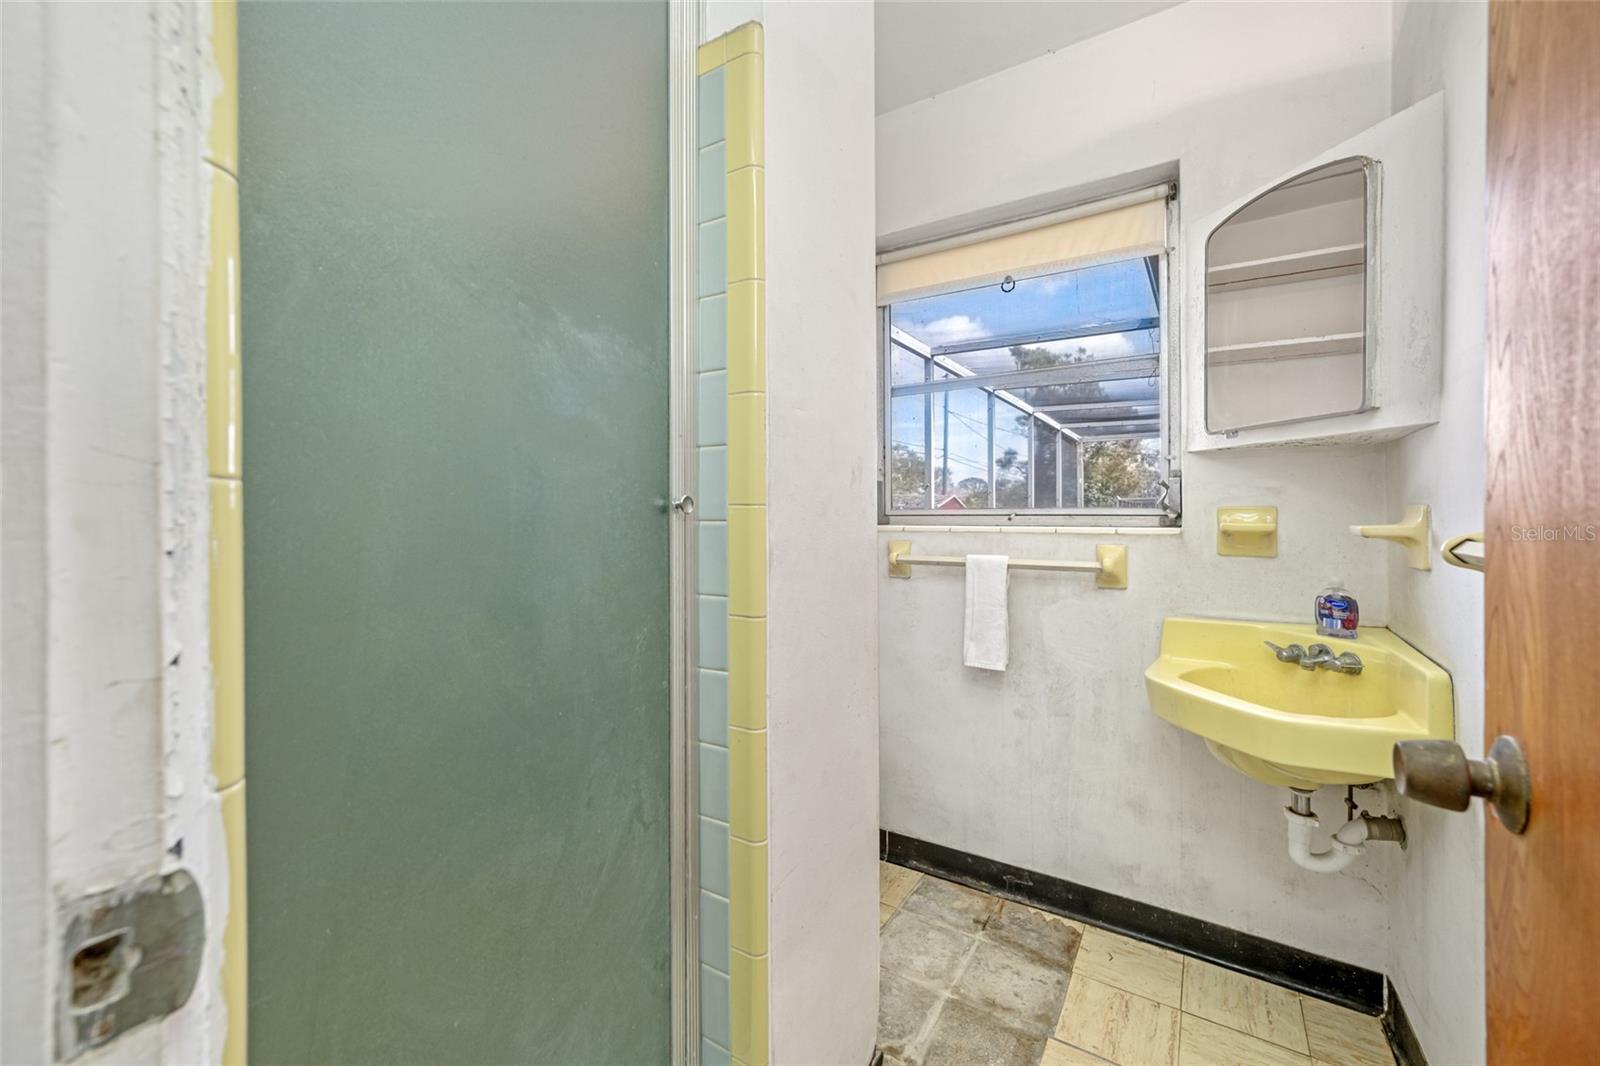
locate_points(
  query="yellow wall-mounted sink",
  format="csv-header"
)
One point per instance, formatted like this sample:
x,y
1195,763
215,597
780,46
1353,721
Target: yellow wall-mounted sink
x,y
1284,725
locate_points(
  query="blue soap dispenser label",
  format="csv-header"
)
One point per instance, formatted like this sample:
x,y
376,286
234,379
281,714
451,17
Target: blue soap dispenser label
x,y
1337,613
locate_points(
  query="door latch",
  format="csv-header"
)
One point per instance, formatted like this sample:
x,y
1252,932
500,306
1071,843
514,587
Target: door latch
x,y
128,956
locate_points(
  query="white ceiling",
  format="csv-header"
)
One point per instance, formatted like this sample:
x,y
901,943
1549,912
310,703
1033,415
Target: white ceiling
x,y
926,47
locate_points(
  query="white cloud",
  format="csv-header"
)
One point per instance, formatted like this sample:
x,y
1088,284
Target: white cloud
x,y
952,329
1105,346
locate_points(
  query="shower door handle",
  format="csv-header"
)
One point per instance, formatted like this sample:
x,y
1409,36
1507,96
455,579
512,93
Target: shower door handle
x,y
684,505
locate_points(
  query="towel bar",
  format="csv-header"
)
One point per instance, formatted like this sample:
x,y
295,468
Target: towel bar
x,y
1451,551
1110,568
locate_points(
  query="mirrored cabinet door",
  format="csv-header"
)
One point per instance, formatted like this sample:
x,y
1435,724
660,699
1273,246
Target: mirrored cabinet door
x,y
1287,301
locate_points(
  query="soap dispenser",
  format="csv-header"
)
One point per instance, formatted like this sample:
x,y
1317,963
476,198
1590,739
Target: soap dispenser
x,y
1336,611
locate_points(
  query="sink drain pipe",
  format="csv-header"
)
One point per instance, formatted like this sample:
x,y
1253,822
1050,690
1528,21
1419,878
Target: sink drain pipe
x,y
1349,840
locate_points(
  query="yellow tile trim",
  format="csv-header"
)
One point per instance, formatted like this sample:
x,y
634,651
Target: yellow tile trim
x,y
235,945
747,448
747,336
747,672
747,909
224,460
227,630
747,561
711,55
748,988
747,784
747,253
222,143
223,399
744,39
740,54
743,111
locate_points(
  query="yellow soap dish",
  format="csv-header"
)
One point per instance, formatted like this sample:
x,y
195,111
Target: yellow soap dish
x,y
1248,531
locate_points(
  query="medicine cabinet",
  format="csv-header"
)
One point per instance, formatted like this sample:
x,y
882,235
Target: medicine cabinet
x,y
1317,298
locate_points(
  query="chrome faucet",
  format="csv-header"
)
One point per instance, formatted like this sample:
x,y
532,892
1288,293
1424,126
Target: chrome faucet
x,y
1318,655
1292,654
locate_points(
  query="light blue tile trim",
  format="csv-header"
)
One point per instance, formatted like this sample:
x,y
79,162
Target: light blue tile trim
x,y
712,572
713,632
714,1005
713,1054
712,178
713,258
714,857
708,121
713,690
712,334
713,484
714,931
711,408
714,782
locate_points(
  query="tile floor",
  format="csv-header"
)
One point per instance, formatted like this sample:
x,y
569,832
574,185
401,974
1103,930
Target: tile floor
x,y
966,978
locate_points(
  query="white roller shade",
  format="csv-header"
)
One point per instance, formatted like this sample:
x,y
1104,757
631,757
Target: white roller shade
x,y
1023,250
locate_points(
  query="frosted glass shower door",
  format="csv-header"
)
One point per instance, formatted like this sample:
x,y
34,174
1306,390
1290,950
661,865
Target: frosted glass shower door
x,y
455,322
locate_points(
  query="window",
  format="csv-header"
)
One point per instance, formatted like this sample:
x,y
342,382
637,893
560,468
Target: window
x,y
1037,394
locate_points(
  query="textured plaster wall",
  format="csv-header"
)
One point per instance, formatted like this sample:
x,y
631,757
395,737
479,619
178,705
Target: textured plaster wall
x,y
822,610
1436,939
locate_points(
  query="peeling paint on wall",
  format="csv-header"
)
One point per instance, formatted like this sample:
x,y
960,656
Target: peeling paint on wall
x,y
115,717
192,831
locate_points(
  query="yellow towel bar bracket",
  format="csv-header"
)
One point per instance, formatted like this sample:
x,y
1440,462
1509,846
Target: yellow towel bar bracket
x,y
1110,566
1412,531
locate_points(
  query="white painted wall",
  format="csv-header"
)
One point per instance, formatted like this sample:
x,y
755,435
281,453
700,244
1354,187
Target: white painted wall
x,y
822,562
105,709
1059,765
1436,944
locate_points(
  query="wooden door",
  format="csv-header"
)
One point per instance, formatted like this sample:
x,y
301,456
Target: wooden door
x,y
1542,516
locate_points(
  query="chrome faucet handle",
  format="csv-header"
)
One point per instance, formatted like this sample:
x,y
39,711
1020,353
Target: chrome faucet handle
x,y
1348,663
1315,656
1292,654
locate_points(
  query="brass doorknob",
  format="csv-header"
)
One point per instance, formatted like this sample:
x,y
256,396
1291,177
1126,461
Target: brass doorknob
x,y
1438,772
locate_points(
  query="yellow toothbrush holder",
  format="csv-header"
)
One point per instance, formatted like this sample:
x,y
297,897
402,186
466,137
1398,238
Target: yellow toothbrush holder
x,y
1411,532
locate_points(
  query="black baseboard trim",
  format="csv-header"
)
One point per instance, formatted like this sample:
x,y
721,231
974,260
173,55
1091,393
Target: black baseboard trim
x,y
1397,1027
1315,975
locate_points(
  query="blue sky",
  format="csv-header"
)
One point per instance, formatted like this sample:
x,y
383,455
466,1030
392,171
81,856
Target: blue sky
x,y
1108,293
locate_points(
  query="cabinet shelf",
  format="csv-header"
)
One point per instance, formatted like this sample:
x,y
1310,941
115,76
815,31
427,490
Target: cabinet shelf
x,y
1295,266
1287,348
1318,297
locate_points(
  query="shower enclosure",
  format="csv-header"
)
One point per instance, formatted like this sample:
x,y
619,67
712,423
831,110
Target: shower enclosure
x,y
463,591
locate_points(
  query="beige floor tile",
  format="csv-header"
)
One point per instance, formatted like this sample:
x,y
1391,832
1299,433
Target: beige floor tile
x,y
1342,1037
1118,1025
1133,966
1058,1054
895,883
1204,1043
885,912
1244,1003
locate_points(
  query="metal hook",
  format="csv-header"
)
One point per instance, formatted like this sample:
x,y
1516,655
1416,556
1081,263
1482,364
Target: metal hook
x,y
1008,284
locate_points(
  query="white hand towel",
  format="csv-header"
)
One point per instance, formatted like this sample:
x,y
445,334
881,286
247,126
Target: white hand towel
x,y
986,641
